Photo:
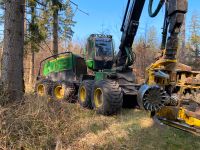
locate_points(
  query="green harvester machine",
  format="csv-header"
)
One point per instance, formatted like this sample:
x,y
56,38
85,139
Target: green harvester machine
x,y
98,83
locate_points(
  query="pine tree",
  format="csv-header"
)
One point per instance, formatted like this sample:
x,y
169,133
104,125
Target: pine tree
x,y
193,46
68,23
12,63
56,6
61,21
36,33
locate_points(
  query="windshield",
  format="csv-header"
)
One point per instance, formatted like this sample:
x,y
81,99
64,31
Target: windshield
x,y
104,47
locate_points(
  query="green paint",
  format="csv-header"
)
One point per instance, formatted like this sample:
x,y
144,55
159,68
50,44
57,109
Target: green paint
x,y
84,53
90,63
59,64
100,76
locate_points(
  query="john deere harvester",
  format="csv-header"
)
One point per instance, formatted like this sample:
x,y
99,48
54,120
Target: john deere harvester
x,y
60,76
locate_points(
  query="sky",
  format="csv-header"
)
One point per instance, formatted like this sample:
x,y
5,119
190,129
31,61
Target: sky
x,y
107,15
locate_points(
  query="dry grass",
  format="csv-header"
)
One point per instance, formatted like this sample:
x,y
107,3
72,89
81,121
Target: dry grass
x,y
41,124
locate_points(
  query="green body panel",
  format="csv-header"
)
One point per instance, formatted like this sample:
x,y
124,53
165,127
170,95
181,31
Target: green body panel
x,y
103,75
90,63
100,76
59,64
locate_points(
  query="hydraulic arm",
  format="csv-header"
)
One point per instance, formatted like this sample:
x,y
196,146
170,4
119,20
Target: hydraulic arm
x,y
174,17
129,29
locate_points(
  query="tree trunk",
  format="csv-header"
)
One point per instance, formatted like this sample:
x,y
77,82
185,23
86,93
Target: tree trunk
x,y
182,49
32,60
12,63
55,31
32,68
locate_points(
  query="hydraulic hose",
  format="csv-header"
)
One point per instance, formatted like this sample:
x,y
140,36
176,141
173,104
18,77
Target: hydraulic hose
x,y
153,14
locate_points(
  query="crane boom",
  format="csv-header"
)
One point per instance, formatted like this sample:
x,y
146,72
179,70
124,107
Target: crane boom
x,y
173,20
131,22
129,29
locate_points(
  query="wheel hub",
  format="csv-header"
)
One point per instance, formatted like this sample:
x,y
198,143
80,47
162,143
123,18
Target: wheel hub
x,y
59,92
83,94
41,90
98,97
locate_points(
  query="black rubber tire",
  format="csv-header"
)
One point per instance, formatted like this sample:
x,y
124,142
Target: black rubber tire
x,y
47,87
112,97
69,91
88,85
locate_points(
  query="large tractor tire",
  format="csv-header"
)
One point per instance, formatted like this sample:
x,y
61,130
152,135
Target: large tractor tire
x,y
84,93
107,97
63,91
43,87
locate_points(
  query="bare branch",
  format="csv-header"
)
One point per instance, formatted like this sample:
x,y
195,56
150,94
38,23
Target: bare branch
x,y
77,8
40,3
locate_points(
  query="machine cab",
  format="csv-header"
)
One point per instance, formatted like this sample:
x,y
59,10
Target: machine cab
x,y
99,52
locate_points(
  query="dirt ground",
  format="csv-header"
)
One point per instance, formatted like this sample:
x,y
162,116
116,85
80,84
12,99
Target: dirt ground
x,y
38,123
